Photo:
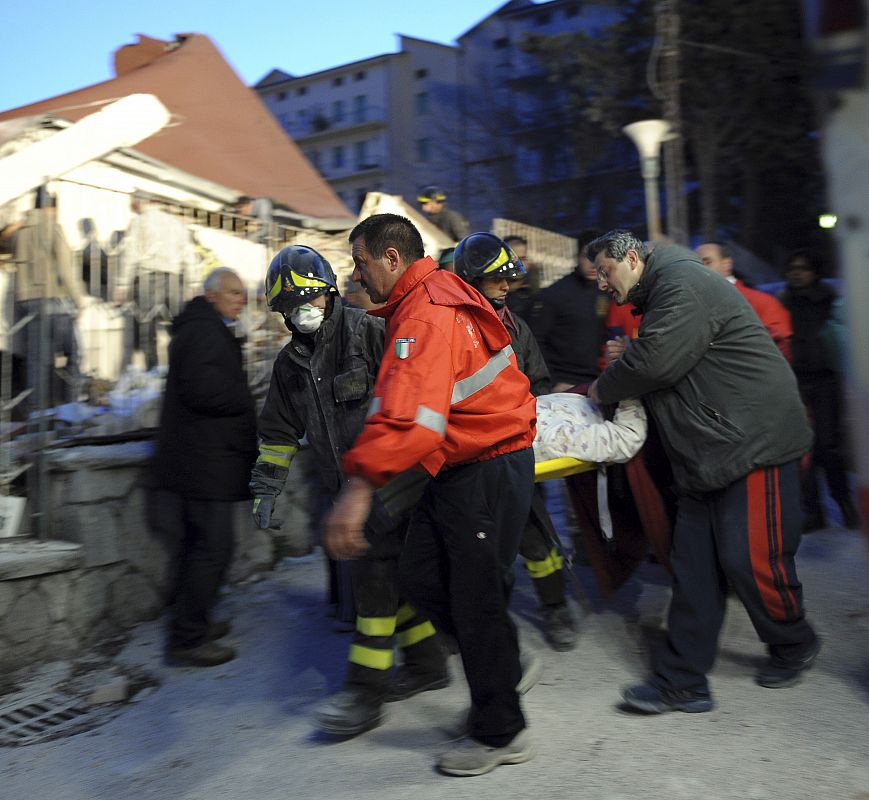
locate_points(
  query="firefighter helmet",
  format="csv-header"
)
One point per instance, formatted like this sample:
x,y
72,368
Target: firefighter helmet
x,y
296,275
431,193
484,255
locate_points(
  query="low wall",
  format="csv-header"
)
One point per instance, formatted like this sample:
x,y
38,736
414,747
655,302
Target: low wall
x,y
110,560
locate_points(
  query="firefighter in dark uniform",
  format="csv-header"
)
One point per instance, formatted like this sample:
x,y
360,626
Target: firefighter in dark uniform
x,y
489,264
321,387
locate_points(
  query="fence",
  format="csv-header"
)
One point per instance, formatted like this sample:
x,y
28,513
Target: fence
x,y
94,371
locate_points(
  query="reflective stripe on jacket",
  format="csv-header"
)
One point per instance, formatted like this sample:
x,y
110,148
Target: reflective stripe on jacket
x,y
449,390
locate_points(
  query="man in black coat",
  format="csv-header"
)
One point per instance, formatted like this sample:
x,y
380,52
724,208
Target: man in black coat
x,y
568,320
205,450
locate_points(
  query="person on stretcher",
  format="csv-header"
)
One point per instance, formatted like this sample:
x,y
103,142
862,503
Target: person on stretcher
x,y
572,426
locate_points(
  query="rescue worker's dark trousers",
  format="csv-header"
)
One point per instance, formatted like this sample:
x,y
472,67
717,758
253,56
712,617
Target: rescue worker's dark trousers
x,y
744,535
457,569
542,560
206,550
384,619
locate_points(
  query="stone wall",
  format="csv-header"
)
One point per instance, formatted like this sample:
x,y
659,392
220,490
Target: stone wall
x,y
109,563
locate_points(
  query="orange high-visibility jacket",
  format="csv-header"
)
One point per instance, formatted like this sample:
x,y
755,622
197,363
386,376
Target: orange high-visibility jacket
x,y
448,391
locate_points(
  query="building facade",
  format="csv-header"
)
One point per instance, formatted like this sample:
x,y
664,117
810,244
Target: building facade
x,y
380,124
518,162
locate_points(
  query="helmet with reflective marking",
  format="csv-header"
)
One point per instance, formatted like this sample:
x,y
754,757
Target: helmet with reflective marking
x,y
431,193
484,255
296,275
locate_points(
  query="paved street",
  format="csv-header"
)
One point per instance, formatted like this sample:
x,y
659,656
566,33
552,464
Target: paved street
x,y
245,730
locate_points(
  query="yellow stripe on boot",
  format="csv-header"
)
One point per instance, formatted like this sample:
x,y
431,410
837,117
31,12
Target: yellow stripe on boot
x,y
541,569
370,657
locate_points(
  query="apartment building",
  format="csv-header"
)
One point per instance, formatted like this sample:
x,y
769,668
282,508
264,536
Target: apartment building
x,y
384,123
518,162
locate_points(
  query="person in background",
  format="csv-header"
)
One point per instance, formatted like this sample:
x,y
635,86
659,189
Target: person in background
x,y
567,319
356,297
157,270
718,257
817,345
46,285
728,413
432,203
489,265
447,258
206,446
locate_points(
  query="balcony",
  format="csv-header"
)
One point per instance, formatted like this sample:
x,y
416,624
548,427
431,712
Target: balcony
x,y
320,124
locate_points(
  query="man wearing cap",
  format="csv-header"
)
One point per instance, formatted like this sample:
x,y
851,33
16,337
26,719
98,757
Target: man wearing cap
x,y
432,202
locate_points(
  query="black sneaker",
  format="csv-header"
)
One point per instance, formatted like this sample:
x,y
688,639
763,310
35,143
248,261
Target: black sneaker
x,y
558,627
349,713
652,699
779,673
407,683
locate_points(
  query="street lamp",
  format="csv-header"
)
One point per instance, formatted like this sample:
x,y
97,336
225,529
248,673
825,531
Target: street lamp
x,y
647,136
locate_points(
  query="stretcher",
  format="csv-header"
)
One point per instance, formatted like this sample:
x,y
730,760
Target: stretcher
x,y
560,468
620,512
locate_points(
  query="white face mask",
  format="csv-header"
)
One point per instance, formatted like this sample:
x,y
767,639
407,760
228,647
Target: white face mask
x,y
307,318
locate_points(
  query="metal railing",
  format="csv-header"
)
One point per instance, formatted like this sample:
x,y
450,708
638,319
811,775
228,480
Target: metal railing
x,y
94,370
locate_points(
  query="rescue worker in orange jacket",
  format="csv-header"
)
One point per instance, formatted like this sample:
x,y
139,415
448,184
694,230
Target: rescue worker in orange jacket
x,y
451,400
718,257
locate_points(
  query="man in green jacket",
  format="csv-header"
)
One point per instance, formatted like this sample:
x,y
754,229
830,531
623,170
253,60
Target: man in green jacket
x,y
730,418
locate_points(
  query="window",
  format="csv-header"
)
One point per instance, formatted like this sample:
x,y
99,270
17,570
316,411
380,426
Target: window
x,y
501,43
337,81
314,158
571,11
360,150
359,106
338,111
423,150
359,76
302,90
420,73
282,96
421,103
338,156
543,18
360,196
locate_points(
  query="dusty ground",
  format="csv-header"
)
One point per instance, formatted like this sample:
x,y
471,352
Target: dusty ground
x,y
245,730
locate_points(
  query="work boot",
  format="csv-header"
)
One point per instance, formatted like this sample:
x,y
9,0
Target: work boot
x,y
558,627
652,699
470,757
350,712
779,673
207,654
217,630
406,683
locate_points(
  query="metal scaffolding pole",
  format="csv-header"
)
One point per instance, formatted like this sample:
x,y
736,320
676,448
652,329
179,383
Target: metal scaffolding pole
x,y
667,89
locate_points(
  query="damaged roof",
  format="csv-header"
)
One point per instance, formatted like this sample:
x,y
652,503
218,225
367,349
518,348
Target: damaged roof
x,y
220,129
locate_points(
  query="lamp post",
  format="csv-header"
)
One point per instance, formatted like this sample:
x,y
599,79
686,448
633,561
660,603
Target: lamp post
x,y
647,136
